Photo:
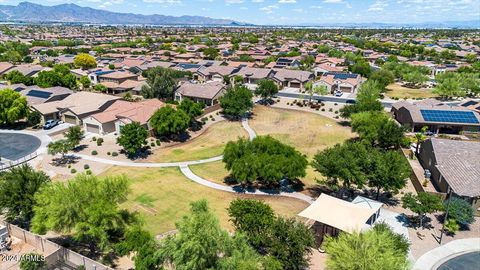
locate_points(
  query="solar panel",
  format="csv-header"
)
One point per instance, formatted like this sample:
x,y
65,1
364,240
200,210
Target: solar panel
x,y
449,116
471,102
344,76
39,94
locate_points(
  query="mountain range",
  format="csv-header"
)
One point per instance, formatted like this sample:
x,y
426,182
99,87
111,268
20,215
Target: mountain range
x,y
71,13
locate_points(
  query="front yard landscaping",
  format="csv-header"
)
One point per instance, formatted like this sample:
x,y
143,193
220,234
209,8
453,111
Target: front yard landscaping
x,y
397,91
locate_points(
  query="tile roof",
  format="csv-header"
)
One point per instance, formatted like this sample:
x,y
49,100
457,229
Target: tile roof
x,y
202,90
134,111
459,164
79,103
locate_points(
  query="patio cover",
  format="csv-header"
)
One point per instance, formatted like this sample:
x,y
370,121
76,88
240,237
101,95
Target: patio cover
x,y
343,215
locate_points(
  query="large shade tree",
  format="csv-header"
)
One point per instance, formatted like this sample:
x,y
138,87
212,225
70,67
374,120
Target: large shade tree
x,y
168,121
13,106
377,129
378,248
266,89
264,159
18,187
237,101
86,207
132,138
367,100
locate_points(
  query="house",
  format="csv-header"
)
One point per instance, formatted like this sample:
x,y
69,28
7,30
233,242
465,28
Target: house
x,y
29,70
37,95
287,62
252,75
213,73
439,117
120,113
454,166
146,66
324,68
119,82
207,93
292,78
340,82
75,107
5,67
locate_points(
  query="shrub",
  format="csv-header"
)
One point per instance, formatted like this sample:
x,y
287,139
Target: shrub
x,y
336,112
323,109
99,141
152,144
86,167
158,142
94,153
460,211
88,172
204,119
114,154
330,110
452,226
73,171
335,104
108,153
94,139
69,166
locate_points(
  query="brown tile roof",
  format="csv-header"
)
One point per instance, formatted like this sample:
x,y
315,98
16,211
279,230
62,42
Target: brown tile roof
x,y
79,103
204,90
134,111
459,164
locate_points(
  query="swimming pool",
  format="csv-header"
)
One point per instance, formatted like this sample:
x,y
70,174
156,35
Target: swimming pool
x,y
14,146
468,261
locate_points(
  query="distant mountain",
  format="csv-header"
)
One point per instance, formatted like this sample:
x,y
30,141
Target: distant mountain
x,y
71,13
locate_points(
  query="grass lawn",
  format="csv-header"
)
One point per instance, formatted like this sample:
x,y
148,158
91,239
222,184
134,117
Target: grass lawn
x,y
162,197
209,144
397,91
307,132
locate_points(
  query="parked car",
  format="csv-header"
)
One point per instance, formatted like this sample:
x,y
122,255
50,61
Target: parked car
x,y
338,94
50,124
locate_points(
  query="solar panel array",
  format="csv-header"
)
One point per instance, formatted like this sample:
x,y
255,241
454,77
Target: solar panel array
x,y
471,102
342,76
449,116
39,94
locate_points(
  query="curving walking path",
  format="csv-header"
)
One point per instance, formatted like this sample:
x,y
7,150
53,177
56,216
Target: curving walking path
x,y
183,165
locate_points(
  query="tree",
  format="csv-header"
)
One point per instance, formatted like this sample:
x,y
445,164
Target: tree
x,y
161,82
252,218
16,76
361,67
100,87
291,242
460,210
168,121
74,135
367,100
132,137
383,77
264,159
85,82
17,189
13,106
422,204
415,78
198,241
420,138
210,53
140,242
33,261
59,147
84,61
50,78
471,58
343,162
266,89
389,171
376,128
371,250
33,118
237,101
192,109
448,88
86,207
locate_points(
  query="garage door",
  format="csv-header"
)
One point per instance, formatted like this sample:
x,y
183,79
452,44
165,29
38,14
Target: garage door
x,y
93,128
346,89
295,85
70,119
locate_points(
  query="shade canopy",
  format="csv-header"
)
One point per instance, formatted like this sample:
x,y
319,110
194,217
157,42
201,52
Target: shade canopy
x,y
343,215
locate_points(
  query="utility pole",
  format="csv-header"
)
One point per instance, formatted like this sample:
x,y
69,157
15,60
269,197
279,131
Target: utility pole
x,y
449,195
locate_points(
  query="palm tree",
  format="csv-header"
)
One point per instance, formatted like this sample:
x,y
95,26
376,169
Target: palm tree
x,y
420,137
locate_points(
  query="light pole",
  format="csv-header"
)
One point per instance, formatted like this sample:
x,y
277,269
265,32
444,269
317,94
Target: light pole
x,y
449,195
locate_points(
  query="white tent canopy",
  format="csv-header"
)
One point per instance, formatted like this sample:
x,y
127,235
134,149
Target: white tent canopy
x,y
340,214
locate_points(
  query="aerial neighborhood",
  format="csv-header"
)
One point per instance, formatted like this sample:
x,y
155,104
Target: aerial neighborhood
x,y
237,147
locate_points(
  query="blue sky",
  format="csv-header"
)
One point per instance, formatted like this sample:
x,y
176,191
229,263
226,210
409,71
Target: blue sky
x,y
294,11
